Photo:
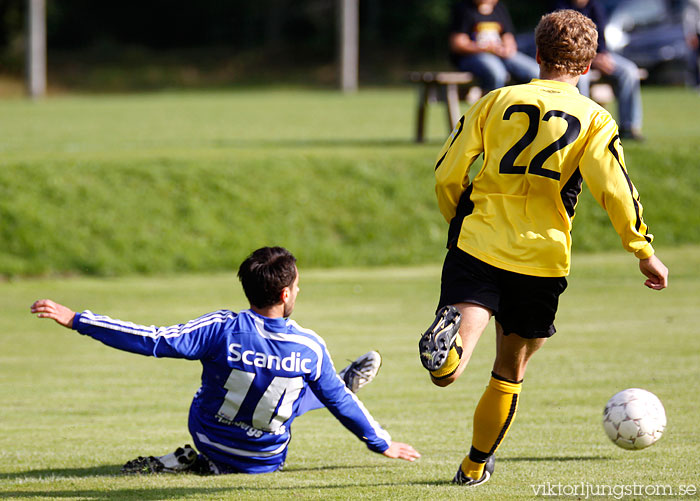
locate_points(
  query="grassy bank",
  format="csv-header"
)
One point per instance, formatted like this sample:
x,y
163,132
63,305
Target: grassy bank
x,y
193,181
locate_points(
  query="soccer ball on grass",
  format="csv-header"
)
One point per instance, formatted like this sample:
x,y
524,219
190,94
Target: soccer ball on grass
x,y
634,419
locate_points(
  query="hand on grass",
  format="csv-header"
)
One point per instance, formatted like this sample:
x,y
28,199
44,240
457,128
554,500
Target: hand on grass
x,y
45,308
655,271
398,450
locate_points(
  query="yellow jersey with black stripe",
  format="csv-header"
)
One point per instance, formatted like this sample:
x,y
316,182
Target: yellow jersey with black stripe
x,y
540,140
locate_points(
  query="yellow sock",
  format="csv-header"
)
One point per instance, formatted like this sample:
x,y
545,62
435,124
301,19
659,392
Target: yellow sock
x,y
452,362
493,416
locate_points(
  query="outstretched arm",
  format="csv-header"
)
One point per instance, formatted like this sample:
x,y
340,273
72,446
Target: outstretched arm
x,y
655,271
45,308
191,340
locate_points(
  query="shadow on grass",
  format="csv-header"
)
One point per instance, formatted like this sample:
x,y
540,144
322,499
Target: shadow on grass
x,y
325,468
114,470
226,492
554,458
125,494
91,471
157,493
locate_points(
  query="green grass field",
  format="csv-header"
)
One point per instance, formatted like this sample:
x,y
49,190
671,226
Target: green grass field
x,y
74,410
122,186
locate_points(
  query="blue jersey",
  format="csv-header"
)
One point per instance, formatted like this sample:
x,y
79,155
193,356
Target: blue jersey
x,y
255,373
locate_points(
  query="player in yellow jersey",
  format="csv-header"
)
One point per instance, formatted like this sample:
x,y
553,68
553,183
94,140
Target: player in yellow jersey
x,y
509,237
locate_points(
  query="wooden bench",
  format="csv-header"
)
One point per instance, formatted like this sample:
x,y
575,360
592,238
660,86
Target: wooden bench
x,y
443,86
437,86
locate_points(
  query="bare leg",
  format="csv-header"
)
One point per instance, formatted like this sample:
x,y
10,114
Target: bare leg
x,y
475,318
513,353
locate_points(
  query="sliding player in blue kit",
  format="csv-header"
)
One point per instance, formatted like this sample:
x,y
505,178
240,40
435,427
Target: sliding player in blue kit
x,y
260,370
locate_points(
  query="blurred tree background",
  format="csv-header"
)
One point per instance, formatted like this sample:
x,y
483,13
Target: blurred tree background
x,y
136,44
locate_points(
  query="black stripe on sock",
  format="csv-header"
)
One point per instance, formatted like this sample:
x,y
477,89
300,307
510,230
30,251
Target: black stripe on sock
x,y
501,378
506,425
478,456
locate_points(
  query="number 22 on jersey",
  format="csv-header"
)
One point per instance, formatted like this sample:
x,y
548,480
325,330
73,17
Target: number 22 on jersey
x,y
536,165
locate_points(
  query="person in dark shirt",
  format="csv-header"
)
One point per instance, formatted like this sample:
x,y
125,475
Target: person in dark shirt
x,y
691,28
623,72
482,42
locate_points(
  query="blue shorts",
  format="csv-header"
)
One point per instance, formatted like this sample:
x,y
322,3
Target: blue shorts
x,y
523,304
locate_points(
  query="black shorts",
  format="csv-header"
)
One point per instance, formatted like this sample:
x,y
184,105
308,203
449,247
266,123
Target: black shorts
x,y
523,304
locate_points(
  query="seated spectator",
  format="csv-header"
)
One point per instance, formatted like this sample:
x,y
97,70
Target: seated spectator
x,y
482,43
691,27
623,72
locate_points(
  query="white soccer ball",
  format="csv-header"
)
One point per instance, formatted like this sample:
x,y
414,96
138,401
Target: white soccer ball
x,y
634,419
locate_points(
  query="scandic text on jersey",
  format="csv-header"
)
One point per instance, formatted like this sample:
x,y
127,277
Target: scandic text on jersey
x,y
292,363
